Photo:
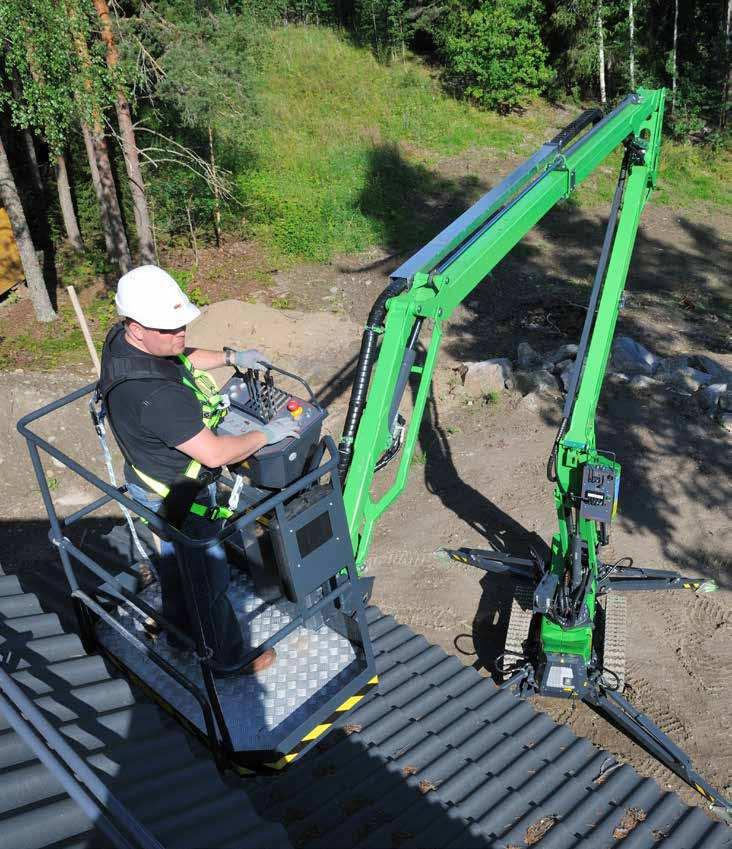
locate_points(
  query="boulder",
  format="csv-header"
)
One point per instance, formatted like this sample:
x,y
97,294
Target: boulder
x,y
725,419
631,357
562,353
487,376
725,402
642,381
535,381
565,378
671,364
689,379
710,366
527,357
563,365
708,396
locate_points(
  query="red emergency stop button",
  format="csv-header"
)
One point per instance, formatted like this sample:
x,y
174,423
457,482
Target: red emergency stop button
x,y
292,405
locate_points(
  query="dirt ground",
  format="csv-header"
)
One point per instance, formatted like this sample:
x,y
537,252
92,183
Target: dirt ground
x,y
478,477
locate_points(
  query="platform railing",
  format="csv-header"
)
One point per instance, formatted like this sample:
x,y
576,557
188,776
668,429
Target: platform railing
x,y
339,596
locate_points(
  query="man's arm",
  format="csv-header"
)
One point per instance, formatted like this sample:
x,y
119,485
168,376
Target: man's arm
x,y
205,359
214,451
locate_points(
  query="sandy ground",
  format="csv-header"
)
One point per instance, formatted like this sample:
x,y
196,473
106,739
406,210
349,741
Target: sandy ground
x,y
478,478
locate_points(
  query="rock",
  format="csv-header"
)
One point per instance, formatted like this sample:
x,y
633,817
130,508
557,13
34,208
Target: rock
x,y
642,381
671,364
631,357
689,379
563,353
535,381
725,402
725,419
527,357
563,365
487,376
708,396
565,378
707,364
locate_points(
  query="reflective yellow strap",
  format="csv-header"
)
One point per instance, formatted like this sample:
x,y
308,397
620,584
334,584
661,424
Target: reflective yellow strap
x,y
156,486
159,488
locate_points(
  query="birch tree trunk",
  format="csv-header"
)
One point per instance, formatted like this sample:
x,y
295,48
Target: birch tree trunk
x,y
129,144
71,225
31,267
631,25
601,52
673,57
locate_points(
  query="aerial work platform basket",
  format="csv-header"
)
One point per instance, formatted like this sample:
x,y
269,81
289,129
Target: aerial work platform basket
x,y
294,587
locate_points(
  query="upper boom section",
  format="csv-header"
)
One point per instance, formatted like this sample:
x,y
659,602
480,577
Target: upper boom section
x,y
549,175
433,282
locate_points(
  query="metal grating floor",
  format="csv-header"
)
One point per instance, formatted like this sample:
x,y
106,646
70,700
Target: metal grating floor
x,y
311,667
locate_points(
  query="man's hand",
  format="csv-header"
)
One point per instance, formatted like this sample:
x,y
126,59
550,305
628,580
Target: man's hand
x,y
244,360
278,430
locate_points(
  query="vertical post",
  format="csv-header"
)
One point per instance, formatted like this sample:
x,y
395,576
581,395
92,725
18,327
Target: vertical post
x,y
52,515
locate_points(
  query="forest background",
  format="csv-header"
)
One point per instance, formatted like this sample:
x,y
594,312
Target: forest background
x,y
130,128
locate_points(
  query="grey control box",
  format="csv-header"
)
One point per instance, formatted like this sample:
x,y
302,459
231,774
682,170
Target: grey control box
x,y
599,490
274,466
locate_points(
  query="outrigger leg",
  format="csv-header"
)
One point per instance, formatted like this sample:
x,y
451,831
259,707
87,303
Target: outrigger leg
x,y
633,722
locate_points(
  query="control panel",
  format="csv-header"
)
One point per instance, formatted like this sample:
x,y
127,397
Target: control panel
x,y
600,486
254,401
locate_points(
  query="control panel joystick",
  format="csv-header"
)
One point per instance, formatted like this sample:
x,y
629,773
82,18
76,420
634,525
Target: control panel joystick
x,y
255,400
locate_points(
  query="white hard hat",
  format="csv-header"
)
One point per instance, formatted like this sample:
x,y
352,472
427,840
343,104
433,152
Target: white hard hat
x,y
151,297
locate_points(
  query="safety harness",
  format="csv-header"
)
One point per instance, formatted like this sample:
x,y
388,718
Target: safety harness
x,y
214,406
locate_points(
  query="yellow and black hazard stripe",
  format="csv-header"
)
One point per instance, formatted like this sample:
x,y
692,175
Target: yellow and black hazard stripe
x,y
239,768
324,726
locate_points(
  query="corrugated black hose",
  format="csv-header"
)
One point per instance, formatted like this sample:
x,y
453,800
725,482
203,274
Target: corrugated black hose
x,y
366,359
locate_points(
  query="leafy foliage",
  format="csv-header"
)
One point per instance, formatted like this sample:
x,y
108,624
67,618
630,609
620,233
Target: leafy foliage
x,y
57,70
493,52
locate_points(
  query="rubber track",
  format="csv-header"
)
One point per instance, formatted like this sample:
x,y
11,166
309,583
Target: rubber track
x,y
613,651
436,757
520,619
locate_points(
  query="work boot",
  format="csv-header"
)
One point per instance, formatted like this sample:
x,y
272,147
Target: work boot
x,y
145,575
260,663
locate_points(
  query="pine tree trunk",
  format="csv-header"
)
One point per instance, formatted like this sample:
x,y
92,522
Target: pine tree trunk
x,y
631,25
31,267
601,53
129,145
73,234
115,239
111,201
673,57
96,182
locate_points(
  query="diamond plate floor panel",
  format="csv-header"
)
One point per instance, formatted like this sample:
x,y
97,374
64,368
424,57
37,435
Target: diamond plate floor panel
x,y
260,710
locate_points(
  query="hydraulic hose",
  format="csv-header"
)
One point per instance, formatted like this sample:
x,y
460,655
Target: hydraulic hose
x,y
571,131
364,366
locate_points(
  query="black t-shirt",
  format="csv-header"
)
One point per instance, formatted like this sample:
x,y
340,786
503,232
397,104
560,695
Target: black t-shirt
x,y
151,417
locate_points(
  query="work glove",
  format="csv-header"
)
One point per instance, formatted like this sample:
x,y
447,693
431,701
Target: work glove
x,y
244,360
278,430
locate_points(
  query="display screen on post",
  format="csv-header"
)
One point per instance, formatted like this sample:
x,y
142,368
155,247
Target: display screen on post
x,y
314,534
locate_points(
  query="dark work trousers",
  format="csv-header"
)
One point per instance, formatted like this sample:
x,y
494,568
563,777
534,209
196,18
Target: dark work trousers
x,y
209,579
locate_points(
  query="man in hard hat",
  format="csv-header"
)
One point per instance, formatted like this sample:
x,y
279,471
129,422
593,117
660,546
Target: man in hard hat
x,y
163,409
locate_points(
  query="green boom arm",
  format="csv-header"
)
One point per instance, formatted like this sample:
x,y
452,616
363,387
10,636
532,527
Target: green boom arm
x,y
427,288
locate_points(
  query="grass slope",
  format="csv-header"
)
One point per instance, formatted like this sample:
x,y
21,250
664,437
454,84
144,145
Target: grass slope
x,y
347,145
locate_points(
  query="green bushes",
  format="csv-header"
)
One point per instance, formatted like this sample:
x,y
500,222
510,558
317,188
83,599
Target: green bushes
x,y
493,52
